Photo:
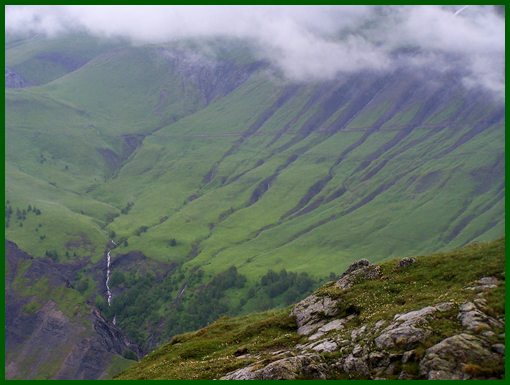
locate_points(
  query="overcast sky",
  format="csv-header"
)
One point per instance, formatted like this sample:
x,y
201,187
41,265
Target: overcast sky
x,y
306,42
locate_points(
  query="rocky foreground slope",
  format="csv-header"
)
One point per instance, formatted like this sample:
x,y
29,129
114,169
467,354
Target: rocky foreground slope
x,y
434,317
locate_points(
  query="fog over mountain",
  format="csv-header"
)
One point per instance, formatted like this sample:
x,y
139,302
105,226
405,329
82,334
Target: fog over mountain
x,y
307,43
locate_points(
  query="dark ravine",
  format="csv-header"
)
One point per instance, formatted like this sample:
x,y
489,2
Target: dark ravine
x,y
46,341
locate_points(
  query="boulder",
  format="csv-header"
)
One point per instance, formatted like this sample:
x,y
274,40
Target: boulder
x,y
357,351
337,324
484,284
404,262
498,348
405,330
313,312
462,356
359,273
356,266
405,336
473,319
378,359
356,366
306,365
326,346
357,334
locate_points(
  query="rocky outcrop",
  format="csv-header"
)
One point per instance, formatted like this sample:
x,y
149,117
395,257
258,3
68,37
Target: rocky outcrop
x,y
358,272
396,349
404,262
475,320
460,357
313,311
305,365
406,330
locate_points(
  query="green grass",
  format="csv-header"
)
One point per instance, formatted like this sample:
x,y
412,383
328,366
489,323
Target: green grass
x,y
209,352
55,137
39,60
117,365
68,153
432,279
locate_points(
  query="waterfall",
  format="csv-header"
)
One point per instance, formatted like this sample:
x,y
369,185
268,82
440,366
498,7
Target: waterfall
x,y
108,291
108,273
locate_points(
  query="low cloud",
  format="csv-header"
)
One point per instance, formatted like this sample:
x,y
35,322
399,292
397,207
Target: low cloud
x,y
307,43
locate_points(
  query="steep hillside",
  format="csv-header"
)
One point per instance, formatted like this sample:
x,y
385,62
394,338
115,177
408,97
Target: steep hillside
x,y
36,60
214,152
430,317
200,182
52,331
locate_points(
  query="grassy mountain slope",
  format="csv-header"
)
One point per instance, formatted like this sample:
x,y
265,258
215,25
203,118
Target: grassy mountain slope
x,y
39,60
199,156
232,343
258,168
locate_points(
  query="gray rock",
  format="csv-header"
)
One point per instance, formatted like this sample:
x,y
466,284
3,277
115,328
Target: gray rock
x,y
247,373
379,324
307,365
481,303
356,266
405,376
356,365
447,360
337,324
360,274
315,336
408,356
356,334
312,312
484,284
445,306
415,317
402,336
475,320
498,348
357,351
378,359
488,281
404,262
326,346
405,330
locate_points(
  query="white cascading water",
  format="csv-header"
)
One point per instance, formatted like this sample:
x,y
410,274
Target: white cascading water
x,y
108,291
108,273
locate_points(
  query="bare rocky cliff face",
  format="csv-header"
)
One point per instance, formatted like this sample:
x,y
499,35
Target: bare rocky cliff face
x,y
340,347
46,341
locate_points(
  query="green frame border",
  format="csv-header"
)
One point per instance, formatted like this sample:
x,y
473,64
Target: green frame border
x,y
258,2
